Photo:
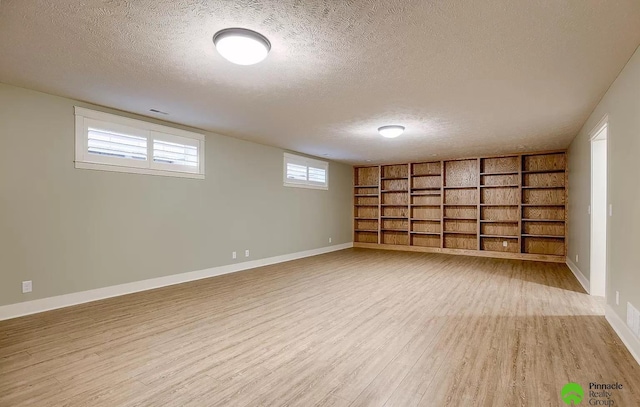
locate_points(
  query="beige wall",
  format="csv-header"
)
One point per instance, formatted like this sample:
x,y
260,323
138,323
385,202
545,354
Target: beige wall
x,y
71,230
622,104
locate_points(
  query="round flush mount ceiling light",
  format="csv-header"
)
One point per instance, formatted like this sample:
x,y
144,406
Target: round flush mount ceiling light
x,y
242,46
392,131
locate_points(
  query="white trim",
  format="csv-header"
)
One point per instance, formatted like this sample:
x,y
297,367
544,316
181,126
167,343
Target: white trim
x,y
584,282
133,170
306,186
624,332
603,125
599,127
66,300
306,162
150,131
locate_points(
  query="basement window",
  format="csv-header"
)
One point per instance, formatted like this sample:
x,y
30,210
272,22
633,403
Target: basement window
x,y
114,143
305,172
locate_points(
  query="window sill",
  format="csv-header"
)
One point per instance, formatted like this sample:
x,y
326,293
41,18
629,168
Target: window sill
x,y
306,186
133,170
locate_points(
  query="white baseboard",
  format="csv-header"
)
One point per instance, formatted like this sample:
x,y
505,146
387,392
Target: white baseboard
x,y
66,300
579,276
631,341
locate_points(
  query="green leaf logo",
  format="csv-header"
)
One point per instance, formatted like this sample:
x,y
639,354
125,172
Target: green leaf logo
x,y
572,394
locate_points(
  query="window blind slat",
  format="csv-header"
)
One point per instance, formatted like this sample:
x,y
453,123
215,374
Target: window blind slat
x,y
174,153
103,142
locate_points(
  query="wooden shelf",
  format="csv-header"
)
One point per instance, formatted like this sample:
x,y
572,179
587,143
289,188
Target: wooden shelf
x,y
466,205
425,220
394,230
425,233
427,189
543,171
425,206
497,221
365,186
361,218
397,205
461,187
395,190
554,187
362,195
394,217
544,220
545,205
544,236
425,175
367,230
500,205
393,178
500,186
501,236
434,193
500,173
449,232
376,205
460,218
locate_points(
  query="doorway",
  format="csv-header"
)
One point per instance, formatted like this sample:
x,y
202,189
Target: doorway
x,y
598,263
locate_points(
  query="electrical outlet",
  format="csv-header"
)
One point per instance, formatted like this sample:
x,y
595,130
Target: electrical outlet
x,y
330,240
233,255
610,210
27,286
617,297
589,210
576,258
504,244
246,253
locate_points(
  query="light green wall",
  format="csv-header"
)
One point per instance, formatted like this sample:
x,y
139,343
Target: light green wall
x,y
71,230
622,104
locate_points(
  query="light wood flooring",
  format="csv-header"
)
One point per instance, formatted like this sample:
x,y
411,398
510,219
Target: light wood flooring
x,y
352,328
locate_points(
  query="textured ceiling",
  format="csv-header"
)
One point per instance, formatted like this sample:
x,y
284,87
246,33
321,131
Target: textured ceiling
x,y
465,77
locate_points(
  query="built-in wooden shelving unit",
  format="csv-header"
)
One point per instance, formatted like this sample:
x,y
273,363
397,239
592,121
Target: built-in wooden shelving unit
x,y
509,206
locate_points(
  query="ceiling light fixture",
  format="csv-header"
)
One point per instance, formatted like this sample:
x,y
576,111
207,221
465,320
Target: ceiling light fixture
x,y
392,131
242,46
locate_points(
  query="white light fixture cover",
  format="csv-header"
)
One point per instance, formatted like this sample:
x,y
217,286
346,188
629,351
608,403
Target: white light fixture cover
x,y
242,46
392,131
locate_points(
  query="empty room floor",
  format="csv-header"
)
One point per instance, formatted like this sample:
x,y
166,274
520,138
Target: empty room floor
x,y
351,328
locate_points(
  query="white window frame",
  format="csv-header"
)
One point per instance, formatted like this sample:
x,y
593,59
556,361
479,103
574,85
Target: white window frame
x,y
151,131
307,162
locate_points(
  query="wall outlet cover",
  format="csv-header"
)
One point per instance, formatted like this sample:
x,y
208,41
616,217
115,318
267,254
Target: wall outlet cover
x,y
27,286
246,253
233,255
617,297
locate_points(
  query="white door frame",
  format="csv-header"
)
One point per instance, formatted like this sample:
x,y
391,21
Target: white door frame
x,y
593,135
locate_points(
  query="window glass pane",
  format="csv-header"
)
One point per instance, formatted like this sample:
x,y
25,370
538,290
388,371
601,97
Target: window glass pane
x,y
318,175
114,144
296,172
174,153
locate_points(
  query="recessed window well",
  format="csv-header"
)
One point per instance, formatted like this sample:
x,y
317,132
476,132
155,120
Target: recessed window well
x,y
241,46
392,131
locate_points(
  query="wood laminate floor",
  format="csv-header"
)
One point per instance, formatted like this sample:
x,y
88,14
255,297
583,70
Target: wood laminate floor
x,y
351,328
